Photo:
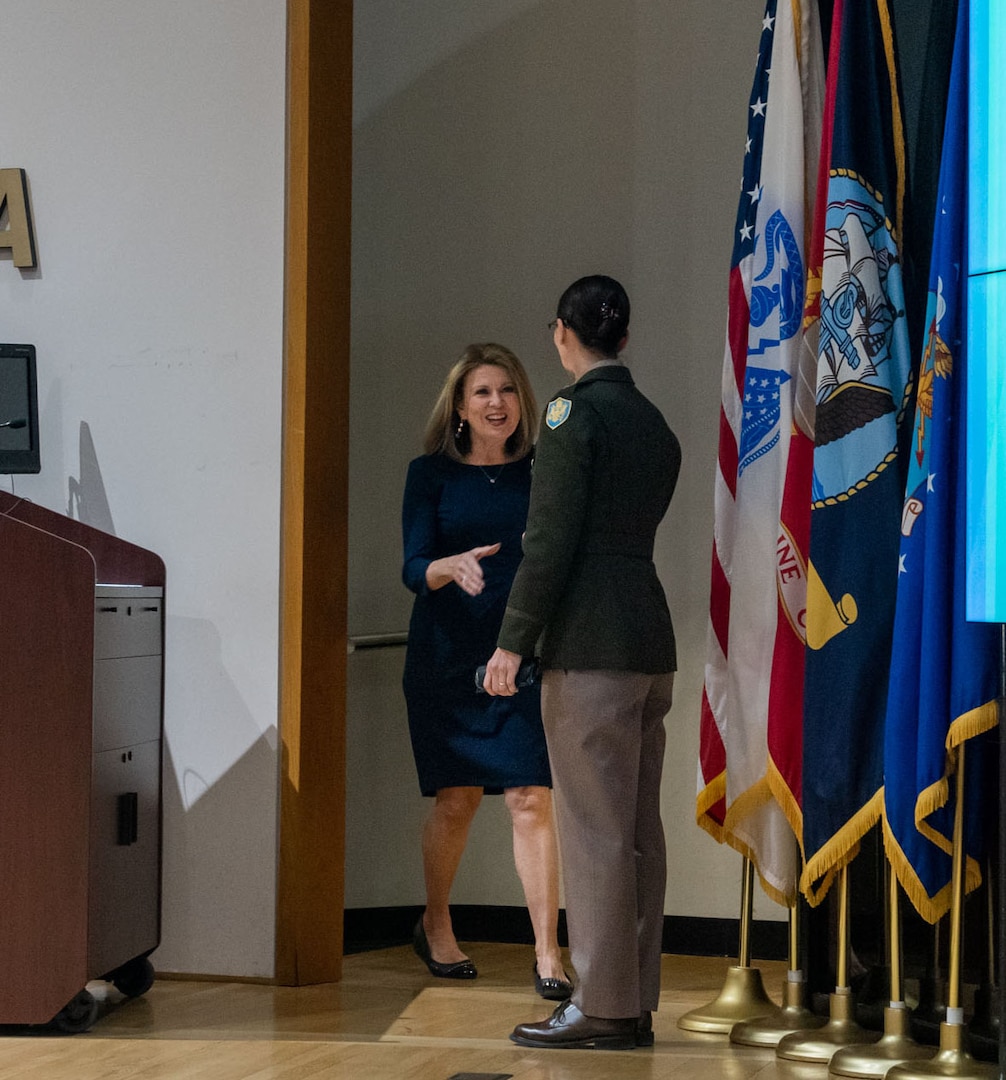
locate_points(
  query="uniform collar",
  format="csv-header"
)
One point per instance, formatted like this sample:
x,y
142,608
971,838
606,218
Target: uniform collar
x,y
605,373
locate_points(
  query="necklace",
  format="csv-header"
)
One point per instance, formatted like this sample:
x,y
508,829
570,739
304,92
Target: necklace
x,y
492,479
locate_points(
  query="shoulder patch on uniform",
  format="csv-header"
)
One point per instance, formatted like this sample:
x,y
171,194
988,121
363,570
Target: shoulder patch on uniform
x,y
558,412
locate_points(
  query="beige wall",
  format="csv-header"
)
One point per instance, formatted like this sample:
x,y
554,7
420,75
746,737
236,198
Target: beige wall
x,y
503,149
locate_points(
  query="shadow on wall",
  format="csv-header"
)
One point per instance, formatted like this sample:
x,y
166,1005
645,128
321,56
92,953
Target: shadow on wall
x,y
211,724
219,781
212,848
86,499
219,814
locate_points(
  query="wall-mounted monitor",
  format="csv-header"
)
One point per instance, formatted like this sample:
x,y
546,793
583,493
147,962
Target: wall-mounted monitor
x,y
18,410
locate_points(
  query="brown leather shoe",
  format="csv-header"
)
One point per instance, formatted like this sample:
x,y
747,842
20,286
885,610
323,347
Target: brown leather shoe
x,y
568,1028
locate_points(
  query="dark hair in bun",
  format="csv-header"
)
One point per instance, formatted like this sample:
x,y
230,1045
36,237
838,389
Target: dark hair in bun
x,y
596,309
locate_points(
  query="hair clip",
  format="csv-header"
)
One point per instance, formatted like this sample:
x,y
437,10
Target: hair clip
x,y
607,311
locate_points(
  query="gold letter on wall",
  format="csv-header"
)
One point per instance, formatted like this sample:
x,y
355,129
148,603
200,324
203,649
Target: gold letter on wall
x,y
18,237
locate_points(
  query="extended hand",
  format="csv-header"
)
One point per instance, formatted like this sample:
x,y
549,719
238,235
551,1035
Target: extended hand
x,y
464,569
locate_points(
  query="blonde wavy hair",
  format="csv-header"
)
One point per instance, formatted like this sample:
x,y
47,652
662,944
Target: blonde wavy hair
x,y
441,429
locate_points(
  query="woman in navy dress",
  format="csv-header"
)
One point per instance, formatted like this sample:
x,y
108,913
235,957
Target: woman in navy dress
x,y
463,516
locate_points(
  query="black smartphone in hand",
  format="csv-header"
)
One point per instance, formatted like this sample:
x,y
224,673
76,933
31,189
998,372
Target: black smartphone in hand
x,y
528,674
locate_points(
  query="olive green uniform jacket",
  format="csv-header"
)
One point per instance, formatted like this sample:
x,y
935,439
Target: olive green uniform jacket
x,y
604,472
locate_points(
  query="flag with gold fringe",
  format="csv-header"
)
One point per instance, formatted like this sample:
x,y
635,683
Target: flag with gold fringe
x,y
746,796
861,429
944,670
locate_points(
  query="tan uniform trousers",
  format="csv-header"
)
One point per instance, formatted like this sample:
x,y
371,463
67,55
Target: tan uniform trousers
x,y
605,735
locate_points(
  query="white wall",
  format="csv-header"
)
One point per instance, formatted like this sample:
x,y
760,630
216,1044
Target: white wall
x,y
503,149
153,138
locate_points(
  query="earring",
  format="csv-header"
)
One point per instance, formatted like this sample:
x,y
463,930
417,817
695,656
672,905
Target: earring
x,y
461,428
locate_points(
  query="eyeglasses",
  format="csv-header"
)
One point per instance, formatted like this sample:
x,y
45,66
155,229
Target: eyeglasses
x,y
553,324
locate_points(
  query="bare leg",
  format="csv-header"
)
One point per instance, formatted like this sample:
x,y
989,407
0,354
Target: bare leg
x,y
444,836
536,858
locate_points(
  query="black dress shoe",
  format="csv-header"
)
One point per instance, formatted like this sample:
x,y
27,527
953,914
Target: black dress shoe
x,y
552,989
462,969
644,1029
569,1029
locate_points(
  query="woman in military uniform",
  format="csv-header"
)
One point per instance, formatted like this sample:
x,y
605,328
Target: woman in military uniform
x,y
587,594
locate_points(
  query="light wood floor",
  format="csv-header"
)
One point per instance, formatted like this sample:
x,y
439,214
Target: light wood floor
x,y
387,1020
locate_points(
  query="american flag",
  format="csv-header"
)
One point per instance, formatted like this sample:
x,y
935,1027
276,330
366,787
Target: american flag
x,y
748,779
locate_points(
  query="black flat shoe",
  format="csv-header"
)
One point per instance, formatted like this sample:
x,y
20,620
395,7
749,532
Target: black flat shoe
x,y
569,1029
552,989
463,969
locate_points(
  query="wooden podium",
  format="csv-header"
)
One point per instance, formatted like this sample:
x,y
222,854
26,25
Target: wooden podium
x,y
81,677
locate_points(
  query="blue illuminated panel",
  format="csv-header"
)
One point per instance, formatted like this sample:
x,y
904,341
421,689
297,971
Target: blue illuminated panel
x,y
986,351
986,142
986,464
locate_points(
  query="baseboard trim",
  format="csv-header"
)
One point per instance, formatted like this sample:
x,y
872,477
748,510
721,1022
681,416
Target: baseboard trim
x,y
382,928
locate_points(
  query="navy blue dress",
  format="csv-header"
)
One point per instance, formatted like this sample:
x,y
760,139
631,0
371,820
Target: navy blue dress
x,y
460,737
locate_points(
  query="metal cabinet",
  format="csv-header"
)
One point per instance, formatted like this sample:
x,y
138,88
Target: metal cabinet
x,y
80,764
124,870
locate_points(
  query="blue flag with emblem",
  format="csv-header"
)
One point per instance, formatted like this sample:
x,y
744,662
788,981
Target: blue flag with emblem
x,y
944,669
860,441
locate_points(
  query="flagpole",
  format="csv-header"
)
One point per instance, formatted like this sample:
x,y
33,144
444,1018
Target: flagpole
x,y
841,1028
895,1045
743,995
931,1010
794,1014
985,1017
952,1059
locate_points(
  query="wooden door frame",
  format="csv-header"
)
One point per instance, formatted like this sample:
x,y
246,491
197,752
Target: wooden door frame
x,y
315,489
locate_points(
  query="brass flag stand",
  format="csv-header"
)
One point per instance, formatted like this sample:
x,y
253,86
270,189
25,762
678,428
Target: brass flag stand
x,y
952,1059
794,1014
895,1045
743,995
841,1028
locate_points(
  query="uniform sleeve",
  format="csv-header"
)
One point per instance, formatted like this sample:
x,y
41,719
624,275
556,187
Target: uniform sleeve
x,y
419,523
560,496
